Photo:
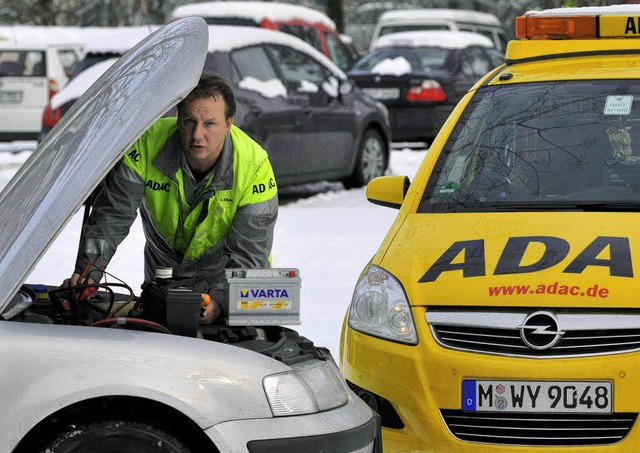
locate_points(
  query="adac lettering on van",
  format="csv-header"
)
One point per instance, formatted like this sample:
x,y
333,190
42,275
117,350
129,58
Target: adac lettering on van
x,y
469,257
631,26
618,26
154,185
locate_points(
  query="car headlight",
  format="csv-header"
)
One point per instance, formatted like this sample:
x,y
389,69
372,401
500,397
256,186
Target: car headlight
x,y
380,307
309,387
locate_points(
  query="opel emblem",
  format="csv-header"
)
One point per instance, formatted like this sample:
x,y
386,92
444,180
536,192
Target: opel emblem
x,y
540,330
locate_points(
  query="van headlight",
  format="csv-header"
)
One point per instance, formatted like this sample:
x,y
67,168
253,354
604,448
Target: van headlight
x,y
379,307
311,386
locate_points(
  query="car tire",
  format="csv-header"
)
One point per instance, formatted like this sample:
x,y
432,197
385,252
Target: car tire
x,y
371,161
114,436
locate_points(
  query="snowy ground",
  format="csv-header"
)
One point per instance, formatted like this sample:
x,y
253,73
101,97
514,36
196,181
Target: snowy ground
x,y
328,236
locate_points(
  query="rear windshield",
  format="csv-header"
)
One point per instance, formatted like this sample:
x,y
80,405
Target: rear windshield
x,y
22,63
419,58
388,29
540,146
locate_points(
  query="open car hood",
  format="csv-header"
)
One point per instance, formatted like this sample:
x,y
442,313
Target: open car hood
x,y
58,177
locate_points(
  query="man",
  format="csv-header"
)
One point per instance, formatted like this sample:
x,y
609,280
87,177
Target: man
x,y
206,193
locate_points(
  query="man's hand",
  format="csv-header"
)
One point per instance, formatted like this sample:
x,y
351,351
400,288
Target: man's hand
x,y
74,281
210,313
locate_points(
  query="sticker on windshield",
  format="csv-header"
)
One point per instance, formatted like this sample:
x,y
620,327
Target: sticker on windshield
x,y
618,105
449,187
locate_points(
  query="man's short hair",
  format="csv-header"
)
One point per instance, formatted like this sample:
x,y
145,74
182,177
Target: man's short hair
x,y
213,85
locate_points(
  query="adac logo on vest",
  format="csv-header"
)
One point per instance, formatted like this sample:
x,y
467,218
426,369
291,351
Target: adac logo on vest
x,y
260,188
154,185
135,155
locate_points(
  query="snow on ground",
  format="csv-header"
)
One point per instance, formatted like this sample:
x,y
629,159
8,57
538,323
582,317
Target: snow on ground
x,y
329,237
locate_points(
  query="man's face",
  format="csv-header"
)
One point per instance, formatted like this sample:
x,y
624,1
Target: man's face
x,y
203,127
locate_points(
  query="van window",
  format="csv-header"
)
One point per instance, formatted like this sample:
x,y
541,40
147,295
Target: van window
x,y
339,53
22,63
496,35
68,60
252,62
305,33
474,62
298,69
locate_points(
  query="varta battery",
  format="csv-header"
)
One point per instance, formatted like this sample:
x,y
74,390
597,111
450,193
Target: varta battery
x,y
263,296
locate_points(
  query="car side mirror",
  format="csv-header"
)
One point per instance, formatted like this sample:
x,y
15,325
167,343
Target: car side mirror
x,y
388,191
346,87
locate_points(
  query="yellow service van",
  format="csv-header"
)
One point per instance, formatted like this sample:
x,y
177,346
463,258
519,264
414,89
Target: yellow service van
x,y
501,312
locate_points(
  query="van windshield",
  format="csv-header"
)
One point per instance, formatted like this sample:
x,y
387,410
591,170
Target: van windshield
x,y
540,146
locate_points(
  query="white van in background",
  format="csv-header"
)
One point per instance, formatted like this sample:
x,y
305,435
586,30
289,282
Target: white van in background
x,y
486,24
30,74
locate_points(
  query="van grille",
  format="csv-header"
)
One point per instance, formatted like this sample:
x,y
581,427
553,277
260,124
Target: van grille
x,y
506,332
538,429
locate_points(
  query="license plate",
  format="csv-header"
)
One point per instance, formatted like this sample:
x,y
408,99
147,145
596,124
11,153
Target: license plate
x,y
578,397
383,93
10,97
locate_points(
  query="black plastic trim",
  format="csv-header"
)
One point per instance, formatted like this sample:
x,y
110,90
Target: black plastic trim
x,y
590,53
340,442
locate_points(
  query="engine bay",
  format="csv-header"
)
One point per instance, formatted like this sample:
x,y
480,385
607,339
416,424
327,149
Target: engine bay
x,y
115,306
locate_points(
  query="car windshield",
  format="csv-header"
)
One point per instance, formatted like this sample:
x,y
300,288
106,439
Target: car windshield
x,y
541,146
420,58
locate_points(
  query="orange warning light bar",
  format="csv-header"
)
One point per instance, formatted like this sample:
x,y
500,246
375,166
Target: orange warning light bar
x,y
563,27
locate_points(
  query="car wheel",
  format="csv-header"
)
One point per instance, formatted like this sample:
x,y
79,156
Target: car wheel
x,y
371,161
114,436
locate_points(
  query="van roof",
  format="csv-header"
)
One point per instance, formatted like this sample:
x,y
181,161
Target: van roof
x,y
50,34
4,45
255,10
437,15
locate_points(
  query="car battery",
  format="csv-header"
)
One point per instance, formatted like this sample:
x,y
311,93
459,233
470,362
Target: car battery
x,y
263,296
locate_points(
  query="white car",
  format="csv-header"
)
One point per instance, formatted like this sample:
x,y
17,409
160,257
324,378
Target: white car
x,y
30,74
70,385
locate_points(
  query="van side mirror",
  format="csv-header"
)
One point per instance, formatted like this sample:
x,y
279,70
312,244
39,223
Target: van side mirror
x,y
388,191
